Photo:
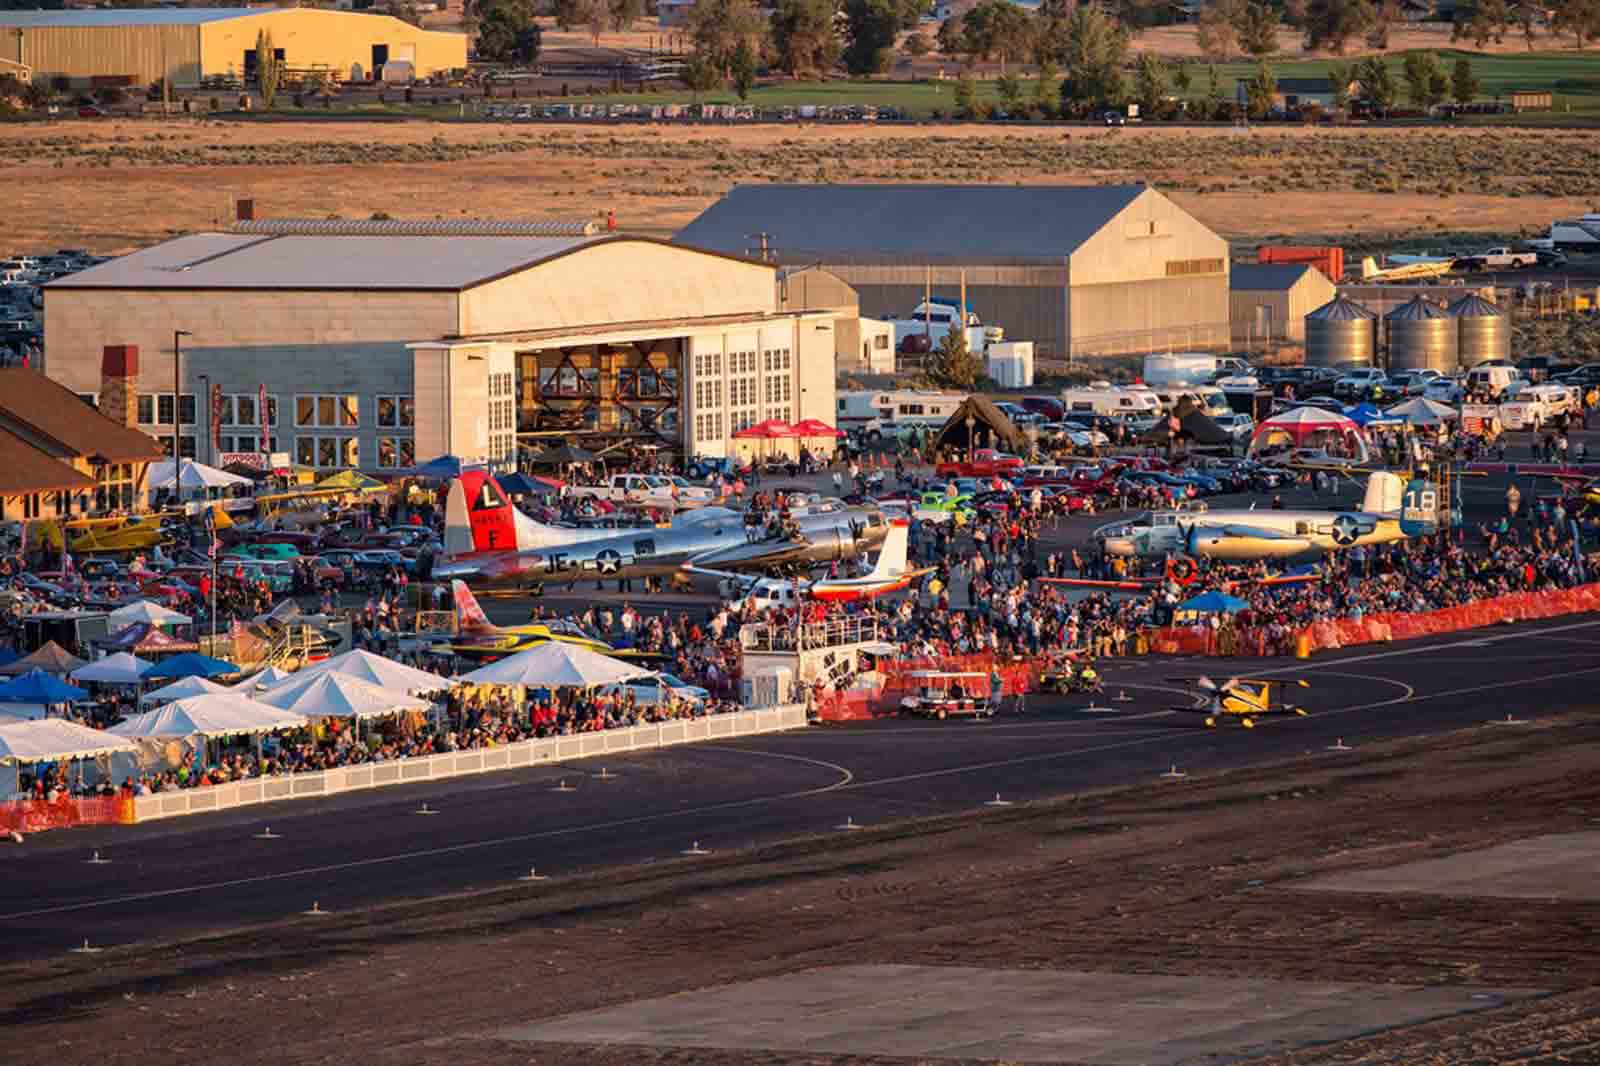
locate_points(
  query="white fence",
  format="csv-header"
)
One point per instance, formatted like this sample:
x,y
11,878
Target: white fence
x,y
457,763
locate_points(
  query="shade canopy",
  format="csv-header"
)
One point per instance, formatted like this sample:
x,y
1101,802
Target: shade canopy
x,y
50,739
1212,603
190,664
193,476
1422,412
184,689
771,429
556,665
567,453
445,466
263,680
52,659
36,686
811,427
213,715
351,481
1366,414
1310,427
375,669
118,669
519,484
335,695
147,612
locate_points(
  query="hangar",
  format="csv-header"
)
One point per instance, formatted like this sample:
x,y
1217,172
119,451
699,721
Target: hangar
x,y
1080,270
379,345
192,44
1271,300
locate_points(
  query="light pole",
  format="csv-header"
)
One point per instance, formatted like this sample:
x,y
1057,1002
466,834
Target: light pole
x,y
204,397
177,414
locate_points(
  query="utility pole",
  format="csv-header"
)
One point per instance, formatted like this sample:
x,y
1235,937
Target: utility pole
x,y
177,414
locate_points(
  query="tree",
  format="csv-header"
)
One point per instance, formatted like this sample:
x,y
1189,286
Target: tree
x,y
952,41
872,26
966,95
1150,84
954,365
1046,87
1260,91
1216,103
717,27
803,36
1463,83
1481,21
1340,77
507,31
919,44
624,12
1095,49
1418,70
998,29
268,70
701,73
1181,81
1580,18
1258,29
1378,87
1329,24
1009,88
744,69
1216,31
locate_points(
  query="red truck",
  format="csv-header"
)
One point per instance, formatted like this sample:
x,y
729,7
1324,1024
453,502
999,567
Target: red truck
x,y
985,462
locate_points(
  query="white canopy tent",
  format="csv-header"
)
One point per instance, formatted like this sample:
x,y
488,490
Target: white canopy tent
x,y
332,695
1422,411
145,611
376,670
556,665
122,668
214,715
53,739
185,688
195,480
272,675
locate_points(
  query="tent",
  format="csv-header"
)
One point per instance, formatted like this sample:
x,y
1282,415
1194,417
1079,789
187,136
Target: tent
x,y
556,665
1422,412
442,468
811,427
1310,427
334,695
771,429
990,428
1366,414
215,715
190,664
563,455
36,686
52,659
375,669
1212,603
1193,425
183,689
53,739
519,484
147,612
263,680
351,481
147,638
118,669
194,477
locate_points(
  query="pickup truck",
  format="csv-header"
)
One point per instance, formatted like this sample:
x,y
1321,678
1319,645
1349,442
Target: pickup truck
x,y
1501,258
985,462
645,490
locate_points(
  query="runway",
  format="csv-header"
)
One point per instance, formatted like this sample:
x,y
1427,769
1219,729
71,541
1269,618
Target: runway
x,y
211,874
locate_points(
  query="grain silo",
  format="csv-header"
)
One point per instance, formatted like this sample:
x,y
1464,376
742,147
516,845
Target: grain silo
x,y
1341,332
1422,336
1483,331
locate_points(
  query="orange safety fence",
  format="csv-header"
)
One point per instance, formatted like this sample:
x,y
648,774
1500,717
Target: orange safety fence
x,y
35,816
1016,675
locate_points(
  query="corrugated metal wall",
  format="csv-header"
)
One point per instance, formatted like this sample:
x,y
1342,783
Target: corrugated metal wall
x,y
108,51
1141,316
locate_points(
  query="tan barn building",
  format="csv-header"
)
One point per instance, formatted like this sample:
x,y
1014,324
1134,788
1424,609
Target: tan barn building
x,y
141,45
1080,270
381,345
1270,301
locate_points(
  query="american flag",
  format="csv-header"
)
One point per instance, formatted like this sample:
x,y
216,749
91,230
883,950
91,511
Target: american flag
x,y
211,529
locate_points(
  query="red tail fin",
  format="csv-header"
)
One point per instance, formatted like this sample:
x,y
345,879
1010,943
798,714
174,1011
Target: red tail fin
x,y
469,615
478,509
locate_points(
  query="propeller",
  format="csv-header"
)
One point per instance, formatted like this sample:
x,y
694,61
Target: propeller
x,y
1302,682
1205,683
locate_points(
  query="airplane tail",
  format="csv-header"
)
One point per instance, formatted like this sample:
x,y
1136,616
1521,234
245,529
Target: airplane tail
x,y
479,517
1369,267
892,556
469,615
1384,493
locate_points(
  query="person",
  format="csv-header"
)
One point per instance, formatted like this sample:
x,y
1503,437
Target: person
x,y
1513,501
997,687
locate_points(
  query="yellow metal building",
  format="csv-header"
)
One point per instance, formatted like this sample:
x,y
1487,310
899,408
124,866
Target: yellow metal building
x,y
196,43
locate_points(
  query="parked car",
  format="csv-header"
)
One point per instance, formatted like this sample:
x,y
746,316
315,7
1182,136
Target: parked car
x,y
1358,384
1412,382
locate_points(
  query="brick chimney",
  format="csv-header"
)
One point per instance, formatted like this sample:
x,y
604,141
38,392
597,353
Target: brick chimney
x,y
119,383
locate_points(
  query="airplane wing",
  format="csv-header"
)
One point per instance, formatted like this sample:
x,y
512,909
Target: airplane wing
x,y
689,566
1254,532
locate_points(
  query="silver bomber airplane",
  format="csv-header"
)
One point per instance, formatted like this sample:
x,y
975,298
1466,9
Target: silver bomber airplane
x,y
489,542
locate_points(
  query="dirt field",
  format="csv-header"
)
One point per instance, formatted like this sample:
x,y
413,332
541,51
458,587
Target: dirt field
x,y
1189,878
116,185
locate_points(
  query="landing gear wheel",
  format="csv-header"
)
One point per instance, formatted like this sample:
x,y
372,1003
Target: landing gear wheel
x,y
1248,723
1300,712
1211,723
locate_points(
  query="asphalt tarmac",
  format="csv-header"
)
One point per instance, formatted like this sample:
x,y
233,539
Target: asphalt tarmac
x,y
193,876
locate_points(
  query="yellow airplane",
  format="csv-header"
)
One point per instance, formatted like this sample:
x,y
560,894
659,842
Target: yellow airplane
x,y
88,536
1243,698
478,638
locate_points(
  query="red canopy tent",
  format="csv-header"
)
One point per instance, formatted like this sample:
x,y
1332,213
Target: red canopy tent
x,y
810,427
771,429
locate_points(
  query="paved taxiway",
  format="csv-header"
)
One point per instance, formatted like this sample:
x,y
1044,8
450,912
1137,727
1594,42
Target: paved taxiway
x,y
208,874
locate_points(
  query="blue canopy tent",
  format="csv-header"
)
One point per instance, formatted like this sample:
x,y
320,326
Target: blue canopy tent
x,y
1212,603
1366,414
9,656
189,664
519,484
443,468
36,686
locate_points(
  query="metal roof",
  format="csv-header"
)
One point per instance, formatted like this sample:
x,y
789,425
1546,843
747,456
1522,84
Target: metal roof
x,y
466,227
1416,308
965,222
1341,309
1267,277
340,261
1474,306
155,16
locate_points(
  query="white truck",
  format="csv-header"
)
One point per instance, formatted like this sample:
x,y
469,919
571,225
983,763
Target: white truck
x,y
1189,368
1499,258
646,490
928,323
1532,406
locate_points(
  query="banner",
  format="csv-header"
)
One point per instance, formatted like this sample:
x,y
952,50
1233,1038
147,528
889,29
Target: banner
x,y
254,460
216,417
262,416
1477,419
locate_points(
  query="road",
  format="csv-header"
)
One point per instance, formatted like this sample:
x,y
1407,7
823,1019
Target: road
x,y
208,874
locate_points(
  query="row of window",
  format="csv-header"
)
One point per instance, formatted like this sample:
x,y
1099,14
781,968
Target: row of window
x,y
327,452
776,359
334,411
708,427
778,391
501,385
708,364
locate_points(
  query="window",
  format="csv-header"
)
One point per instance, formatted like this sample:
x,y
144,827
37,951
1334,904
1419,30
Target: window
x,y
401,411
239,409
247,442
147,409
1179,268
186,446
160,406
327,452
327,410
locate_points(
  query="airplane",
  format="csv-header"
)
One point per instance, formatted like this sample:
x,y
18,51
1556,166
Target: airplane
x,y
889,574
1244,535
1243,698
480,638
489,542
90,536
1419,269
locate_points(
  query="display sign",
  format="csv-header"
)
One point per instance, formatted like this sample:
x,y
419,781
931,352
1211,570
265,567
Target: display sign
x,y
254,460
1479,419
1419,508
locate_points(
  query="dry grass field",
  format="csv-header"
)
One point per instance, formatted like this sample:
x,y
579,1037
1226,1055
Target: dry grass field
x,y
114,185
